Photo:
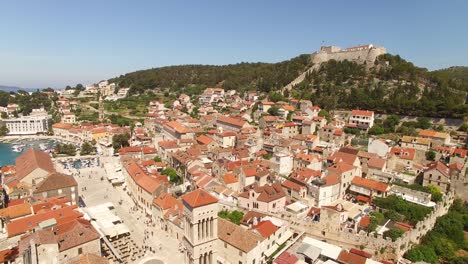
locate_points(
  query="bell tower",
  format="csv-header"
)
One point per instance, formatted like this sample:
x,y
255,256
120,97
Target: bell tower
x,y
200,227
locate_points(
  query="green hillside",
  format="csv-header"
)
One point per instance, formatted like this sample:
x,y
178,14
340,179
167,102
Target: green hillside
x,y
261,76
392,85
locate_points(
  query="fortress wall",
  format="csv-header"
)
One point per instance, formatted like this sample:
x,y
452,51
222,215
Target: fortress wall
x,y
367,56
359,56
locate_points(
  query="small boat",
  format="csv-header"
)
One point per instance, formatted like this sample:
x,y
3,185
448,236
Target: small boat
x,y
43,146
17,148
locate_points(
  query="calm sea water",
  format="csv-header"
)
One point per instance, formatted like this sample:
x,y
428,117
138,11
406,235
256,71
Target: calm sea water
x,y
8,156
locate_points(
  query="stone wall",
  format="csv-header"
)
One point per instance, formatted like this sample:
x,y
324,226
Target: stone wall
x,y
381,248
366,56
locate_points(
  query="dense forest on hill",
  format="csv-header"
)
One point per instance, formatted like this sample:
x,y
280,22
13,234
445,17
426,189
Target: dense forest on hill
x,y
392,85
456,73
261,76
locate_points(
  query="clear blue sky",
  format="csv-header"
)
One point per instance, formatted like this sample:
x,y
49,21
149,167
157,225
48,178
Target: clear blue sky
x,y
55,43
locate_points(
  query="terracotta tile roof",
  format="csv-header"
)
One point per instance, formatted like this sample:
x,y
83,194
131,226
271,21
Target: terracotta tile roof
x,y
268,193
265,228
148,163
286,258
267,103
178,127
135,171
9,255
270,118
307,158
62,126
205,140
360,253
237,236
305,175
31,160
370,184
362,113
148,183
15,211
74,233
455,166
341,167
166,201
342,157
367,155
403,153
439,166
231,121
198,198
99,130
149,150
229,178
460,152
433,134
41,237
28,223
289,108
52,203
249,217
404,226
168,144
126,150
250,172
378,163
9,169
88,258
346,257
55,181
227,134
331,179
362,198
16,201
364,222
291,185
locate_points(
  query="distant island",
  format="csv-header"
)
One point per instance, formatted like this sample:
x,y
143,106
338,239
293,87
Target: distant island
x,y
7,88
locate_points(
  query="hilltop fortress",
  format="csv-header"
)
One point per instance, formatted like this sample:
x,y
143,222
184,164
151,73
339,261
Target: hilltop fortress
x,y
364,54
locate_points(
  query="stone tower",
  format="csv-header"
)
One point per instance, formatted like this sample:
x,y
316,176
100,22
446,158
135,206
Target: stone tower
x,y
101,109
200,227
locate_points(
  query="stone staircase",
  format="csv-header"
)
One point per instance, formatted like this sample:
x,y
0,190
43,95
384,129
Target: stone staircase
x,y
301,77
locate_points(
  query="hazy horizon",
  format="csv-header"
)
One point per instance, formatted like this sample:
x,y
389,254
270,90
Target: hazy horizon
x,y
55,43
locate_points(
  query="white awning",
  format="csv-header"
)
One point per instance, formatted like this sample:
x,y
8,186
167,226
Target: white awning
x,y
284,237
270,251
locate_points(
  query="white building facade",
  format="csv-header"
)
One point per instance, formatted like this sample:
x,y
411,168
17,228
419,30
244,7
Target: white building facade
x,y
28,125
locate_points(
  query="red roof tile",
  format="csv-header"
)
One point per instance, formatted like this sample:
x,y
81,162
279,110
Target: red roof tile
x,y
231,121
349,258
229,178
364,222
31,160
291,185
403,153
362,113
166,201
198,198
265,228
205,140
370,184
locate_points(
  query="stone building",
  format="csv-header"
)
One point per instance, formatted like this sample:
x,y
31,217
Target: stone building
x,y
200,227
56,184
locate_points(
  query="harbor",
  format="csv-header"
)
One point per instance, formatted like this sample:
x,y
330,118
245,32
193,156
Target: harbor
x,y
10,149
